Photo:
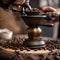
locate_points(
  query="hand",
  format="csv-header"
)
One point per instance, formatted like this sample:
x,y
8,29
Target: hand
x,y
19,2
48,9
33,10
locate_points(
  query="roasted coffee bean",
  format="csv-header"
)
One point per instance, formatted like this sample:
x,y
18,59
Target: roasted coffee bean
x,y
47,59
17,43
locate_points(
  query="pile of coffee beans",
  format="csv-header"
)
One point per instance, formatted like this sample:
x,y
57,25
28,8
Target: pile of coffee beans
x,y
14,43
17,43
53,44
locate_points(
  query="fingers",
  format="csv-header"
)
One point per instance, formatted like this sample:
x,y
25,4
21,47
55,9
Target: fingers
x,y
48,9
19,2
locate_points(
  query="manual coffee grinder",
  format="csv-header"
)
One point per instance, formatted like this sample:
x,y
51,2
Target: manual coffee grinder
x,y
34,40
34,20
